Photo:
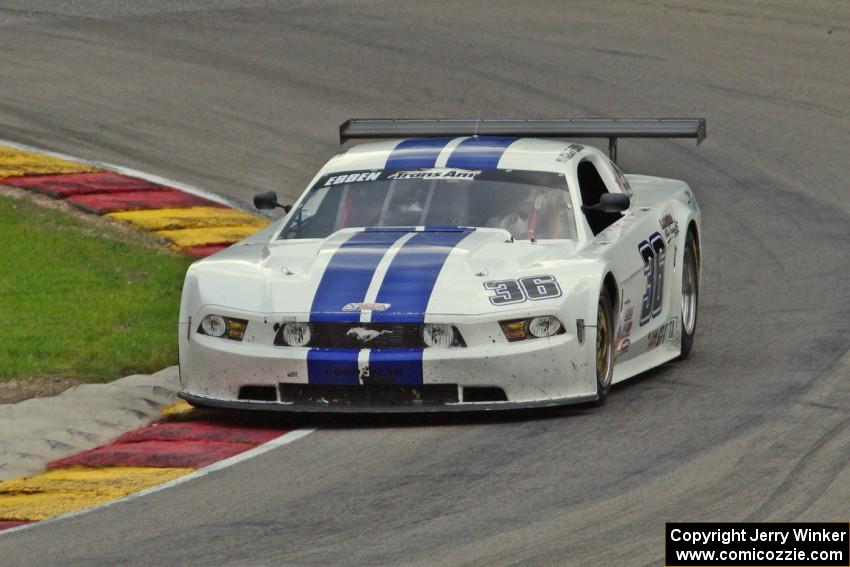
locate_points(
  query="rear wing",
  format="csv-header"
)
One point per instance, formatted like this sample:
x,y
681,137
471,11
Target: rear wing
x,y
611,128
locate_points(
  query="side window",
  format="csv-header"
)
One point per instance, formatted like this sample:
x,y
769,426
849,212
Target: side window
x,y
590,183
592,188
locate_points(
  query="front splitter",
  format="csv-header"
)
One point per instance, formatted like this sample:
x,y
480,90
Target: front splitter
x,y
476,407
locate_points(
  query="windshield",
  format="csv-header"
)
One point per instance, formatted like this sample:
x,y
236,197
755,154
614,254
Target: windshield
x,y
528,204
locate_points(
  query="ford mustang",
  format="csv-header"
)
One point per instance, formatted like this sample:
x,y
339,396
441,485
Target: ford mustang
x,y
452,265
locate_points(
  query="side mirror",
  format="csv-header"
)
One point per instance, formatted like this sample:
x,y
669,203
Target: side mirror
x,y
611,203
268,200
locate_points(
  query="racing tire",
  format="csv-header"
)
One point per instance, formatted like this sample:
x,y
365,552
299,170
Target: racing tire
x,y
690,296
604,347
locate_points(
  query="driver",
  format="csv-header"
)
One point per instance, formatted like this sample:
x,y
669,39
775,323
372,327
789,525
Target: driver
x,y
540,214
524,222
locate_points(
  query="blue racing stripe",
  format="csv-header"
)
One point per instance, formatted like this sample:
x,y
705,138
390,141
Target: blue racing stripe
x,y
411,276
396,366
421,152
346,279
332,366
479,152
348,275
407,288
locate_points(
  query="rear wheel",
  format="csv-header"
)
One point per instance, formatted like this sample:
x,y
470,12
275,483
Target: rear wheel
x,y
604,347
690,296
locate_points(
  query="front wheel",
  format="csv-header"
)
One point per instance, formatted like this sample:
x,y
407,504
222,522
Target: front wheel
x,y
690,296
604,347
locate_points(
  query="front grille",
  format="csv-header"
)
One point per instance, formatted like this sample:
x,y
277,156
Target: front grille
x,y
484,394
344,335
368,395
258,393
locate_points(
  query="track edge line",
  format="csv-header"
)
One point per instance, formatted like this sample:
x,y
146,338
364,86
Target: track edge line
x,y
284,439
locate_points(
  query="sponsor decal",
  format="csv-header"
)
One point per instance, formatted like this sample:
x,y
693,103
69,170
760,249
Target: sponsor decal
x,y
340,372
436,173
533,288
569,152
623,340
365,306
670,226
353,178
366,335
663,334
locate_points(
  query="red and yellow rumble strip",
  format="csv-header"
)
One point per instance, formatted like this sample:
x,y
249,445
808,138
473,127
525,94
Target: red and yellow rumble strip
x,y
194,225
178,444
183,440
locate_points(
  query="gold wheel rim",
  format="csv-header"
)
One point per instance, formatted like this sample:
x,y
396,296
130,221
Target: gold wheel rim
x,y
602,345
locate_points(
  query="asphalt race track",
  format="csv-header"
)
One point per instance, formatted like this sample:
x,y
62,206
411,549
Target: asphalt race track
x,y
239,96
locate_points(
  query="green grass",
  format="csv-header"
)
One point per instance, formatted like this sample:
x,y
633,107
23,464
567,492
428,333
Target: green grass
x,y
81,300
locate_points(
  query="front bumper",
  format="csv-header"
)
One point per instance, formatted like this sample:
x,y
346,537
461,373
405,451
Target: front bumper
x,y
534,373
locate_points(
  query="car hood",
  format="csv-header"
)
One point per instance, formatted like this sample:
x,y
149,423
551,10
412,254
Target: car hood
x,y
408,272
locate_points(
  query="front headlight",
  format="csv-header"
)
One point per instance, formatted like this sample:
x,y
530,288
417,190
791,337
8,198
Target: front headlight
x,y
441,335
545,326
297,334
532,328
224,327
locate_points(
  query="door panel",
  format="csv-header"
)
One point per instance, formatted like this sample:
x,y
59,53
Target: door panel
x,y
647,262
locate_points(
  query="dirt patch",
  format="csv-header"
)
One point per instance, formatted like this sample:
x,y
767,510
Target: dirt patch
x,y
20,389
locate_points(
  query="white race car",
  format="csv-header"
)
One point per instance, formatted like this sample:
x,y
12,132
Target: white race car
x,y
470,265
